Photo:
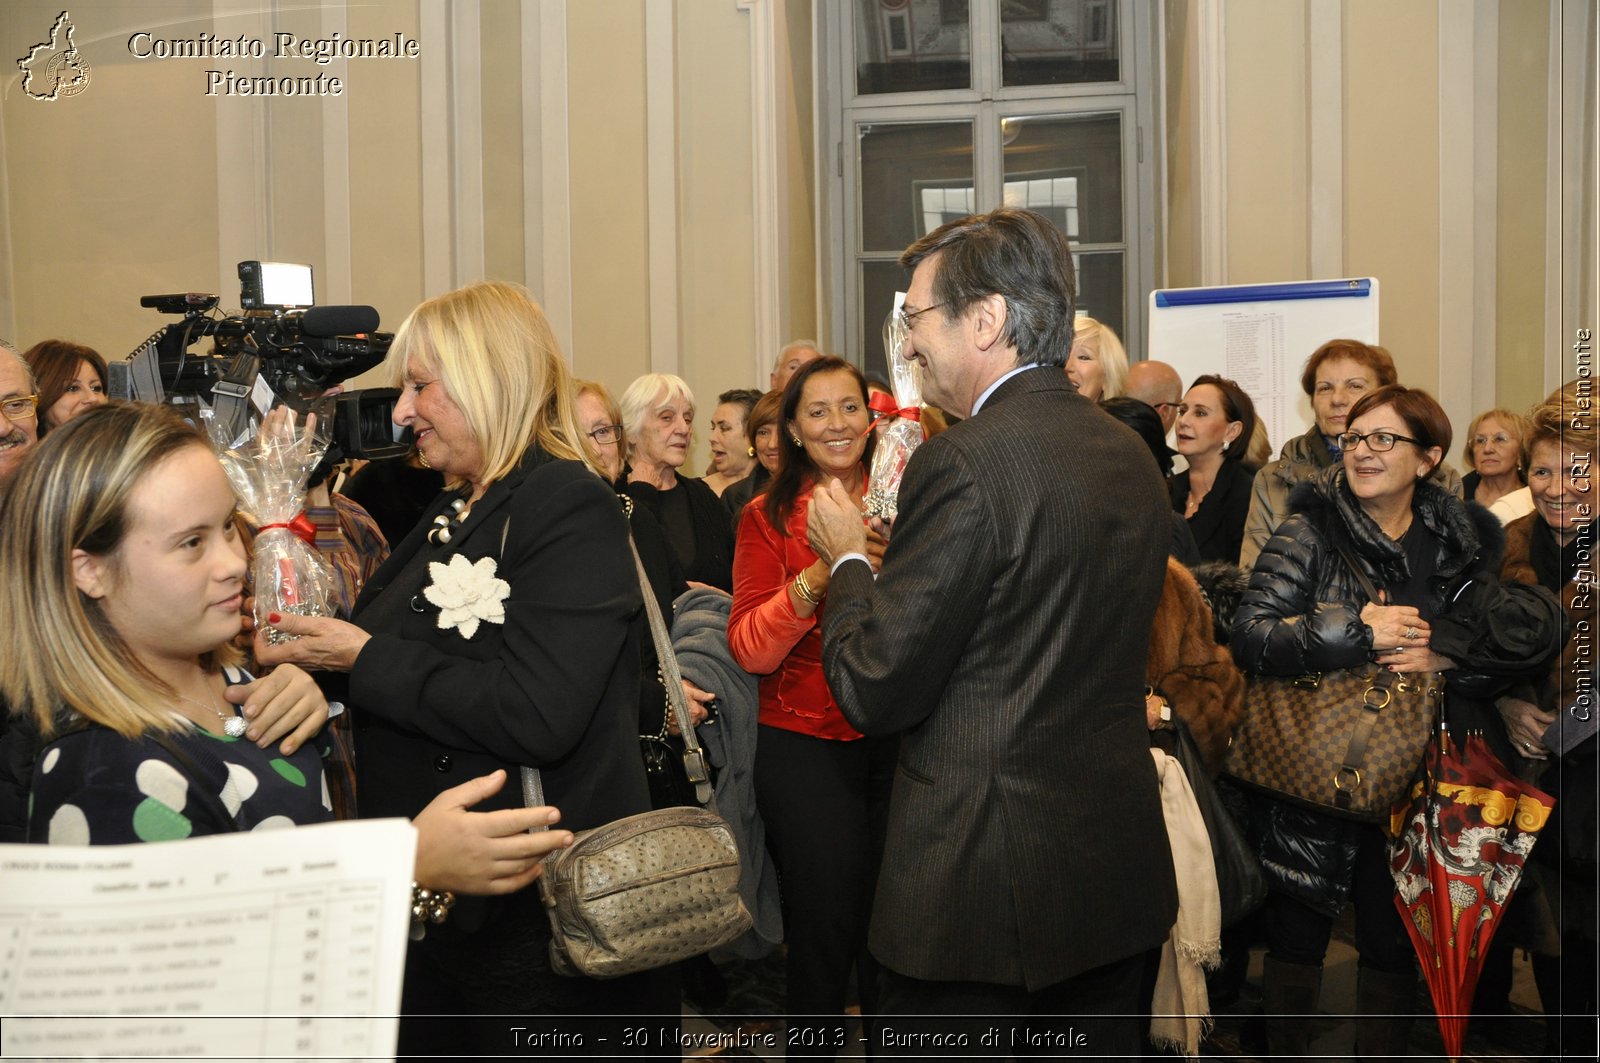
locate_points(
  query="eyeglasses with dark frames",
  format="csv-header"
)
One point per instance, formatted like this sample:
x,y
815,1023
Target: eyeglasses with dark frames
x,y
606,434
1377,442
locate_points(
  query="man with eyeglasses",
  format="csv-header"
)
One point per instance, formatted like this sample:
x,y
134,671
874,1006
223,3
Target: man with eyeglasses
x,y
1026,870
19,412
1156,384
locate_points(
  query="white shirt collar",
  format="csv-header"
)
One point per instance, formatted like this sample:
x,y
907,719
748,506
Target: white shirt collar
x,y
976,406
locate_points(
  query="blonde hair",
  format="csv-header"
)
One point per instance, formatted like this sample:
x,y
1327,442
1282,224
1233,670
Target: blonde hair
x,y
491,347
1567,418
613,411
1108,351
73,495
647,393
1516,425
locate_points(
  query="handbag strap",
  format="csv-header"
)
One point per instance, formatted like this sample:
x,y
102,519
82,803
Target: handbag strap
x,y
1372,592
694,759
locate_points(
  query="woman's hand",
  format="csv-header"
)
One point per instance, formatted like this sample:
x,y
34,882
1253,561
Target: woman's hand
x,y
1415,659
698,700
1525,726
483,853
285,702
1394,627
324,645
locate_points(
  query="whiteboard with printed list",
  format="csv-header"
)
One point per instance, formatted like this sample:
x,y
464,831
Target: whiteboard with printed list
x,y
1260,336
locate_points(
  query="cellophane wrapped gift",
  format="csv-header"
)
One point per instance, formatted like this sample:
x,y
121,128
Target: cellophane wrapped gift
x,y
904,434
269,472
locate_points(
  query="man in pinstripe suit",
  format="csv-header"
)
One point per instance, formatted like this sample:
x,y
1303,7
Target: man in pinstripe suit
x,y
1026,871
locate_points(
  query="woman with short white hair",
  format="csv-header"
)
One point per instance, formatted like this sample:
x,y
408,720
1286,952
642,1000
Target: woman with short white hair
x,y
658,421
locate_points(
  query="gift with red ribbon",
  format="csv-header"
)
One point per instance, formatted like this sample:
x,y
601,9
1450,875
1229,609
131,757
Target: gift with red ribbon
x,y
269,472
899,427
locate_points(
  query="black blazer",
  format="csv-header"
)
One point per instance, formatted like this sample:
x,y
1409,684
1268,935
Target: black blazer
x,y
1006,637
556,686
1218,525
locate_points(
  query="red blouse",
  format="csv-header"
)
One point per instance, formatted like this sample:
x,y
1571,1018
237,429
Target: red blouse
x,y
768,638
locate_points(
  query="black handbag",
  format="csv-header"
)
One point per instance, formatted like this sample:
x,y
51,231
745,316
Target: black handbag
x,y
1240,884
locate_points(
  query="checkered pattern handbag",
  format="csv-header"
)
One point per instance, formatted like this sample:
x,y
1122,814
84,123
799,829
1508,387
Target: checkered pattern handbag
x,y
1346,742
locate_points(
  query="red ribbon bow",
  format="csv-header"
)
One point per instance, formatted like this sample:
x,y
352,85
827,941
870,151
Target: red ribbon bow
x,y
884,404
301,526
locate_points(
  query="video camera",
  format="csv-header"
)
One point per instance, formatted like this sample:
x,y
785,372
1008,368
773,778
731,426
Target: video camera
x,y
279,345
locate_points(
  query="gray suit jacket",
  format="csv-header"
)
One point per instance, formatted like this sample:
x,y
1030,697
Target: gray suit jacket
x,y
1006,636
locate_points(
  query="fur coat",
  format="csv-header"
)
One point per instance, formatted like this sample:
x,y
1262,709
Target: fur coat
x,y
1189,669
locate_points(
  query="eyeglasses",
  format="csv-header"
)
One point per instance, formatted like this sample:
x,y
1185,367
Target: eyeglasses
x,y
1377,442
1162,407
1499,437
20,407
904,319
606,434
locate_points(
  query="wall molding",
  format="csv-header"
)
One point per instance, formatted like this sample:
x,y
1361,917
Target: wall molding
x,y
770,250
438,244
1468,82
661,181
244,148
553,162
336,283
466,141
1212,176
1325,138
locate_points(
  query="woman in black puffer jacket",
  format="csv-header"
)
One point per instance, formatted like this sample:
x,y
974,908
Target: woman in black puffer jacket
x,y
1305,611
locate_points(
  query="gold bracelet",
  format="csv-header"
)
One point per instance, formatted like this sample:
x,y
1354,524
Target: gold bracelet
x,y
802,587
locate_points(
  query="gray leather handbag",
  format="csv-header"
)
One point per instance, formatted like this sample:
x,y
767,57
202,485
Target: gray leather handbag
x,y
646,890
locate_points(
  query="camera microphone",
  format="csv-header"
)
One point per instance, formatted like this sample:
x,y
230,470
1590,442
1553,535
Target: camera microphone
x,y
325,322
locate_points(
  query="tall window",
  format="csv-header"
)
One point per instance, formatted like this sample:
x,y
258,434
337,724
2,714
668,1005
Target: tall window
x,y
939,108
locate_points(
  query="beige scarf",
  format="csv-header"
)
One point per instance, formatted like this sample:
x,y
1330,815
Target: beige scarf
x,y
1180,1011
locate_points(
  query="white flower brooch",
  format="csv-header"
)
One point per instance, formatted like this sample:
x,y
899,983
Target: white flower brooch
x,y
467,592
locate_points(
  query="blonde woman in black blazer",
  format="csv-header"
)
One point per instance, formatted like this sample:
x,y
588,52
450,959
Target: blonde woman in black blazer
x,y
500,633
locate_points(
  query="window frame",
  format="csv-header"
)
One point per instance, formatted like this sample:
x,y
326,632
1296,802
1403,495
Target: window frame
x,y
841,111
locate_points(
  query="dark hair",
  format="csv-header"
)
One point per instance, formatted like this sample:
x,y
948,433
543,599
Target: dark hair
x,y
1017,254
1236,406
767,410
55,366
796,466
1425,419
1145,420
745,397
1370,355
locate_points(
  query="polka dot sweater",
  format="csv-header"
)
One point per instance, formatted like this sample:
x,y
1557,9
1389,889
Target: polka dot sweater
x,y
95,787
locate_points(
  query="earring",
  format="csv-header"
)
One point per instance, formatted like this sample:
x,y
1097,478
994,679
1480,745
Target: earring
x,y
797,441
749,452
1224,446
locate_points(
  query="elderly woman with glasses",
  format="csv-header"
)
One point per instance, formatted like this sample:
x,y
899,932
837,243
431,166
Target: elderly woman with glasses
x,y
1306,612
1497,454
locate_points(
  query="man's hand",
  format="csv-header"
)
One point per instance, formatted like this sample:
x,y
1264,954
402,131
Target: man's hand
x,y
483,853
1526,724
286,702
834,524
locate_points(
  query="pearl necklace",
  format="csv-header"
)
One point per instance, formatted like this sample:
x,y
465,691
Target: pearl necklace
x,y
233,726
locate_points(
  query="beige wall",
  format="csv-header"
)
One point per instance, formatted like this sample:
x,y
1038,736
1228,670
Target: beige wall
x,y
425,174
1459,249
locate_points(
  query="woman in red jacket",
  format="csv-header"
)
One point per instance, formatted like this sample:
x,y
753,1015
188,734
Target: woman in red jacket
x,y
821,787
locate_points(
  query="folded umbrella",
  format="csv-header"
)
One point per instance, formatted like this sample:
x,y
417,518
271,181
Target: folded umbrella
x,y
1460,842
